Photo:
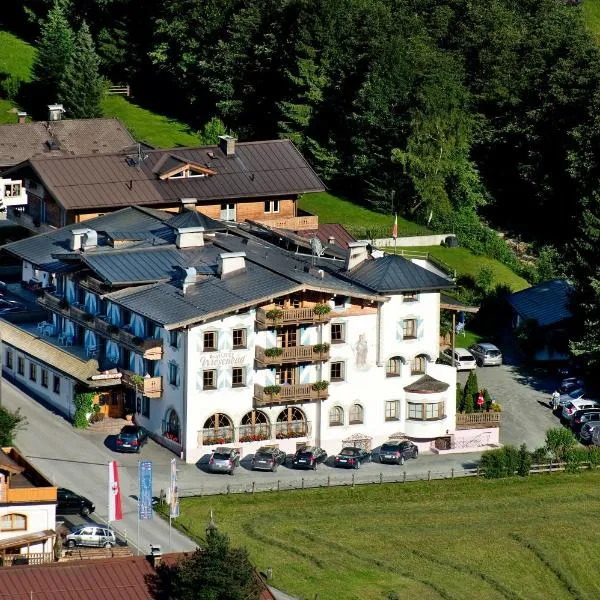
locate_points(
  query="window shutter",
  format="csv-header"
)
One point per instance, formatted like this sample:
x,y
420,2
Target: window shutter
x,y
224,340
223,378
304,336
420,328
177,376
305,373
199,381
400,330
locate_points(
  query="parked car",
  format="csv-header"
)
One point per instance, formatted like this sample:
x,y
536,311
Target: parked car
x,y
397,452
131,438
70,503
463,359
309,457
596,436
268,459
575,394
224,460
91,536
586,433
486,354
351,458
572,407
584,416
569,384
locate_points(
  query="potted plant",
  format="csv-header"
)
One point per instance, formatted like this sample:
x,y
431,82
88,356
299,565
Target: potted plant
x,y
272,390
321,309
321,348
273,352
320,386
274,314
137,381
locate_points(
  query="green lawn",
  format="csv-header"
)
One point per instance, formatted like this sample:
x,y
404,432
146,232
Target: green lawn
x,y
456,539
8,116
16,56
332,209
146,126
591,14
464,262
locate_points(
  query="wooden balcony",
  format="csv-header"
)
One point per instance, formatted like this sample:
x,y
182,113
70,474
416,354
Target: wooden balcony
x,y
289,316
150,348
294,354
293,223
149,386
288,394
18,495
481,420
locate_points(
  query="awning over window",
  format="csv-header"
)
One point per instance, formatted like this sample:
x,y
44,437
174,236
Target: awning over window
x,y
27,539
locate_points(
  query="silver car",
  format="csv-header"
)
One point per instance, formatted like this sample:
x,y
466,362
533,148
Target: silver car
x,y
486,355
224,460
575,394
91,536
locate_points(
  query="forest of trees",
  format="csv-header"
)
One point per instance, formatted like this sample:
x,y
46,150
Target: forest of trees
x,y
449,111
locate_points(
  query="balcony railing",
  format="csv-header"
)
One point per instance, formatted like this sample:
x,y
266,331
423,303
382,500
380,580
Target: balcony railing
x,y
294,223
289,316
288,394
150,348
27,494
292,429
253,433
294,354
94,285
477,420
149,386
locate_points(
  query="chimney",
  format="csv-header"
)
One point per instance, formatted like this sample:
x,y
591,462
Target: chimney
x,y
331,240
190,237
21,116
188,204
89,239
55,112
77,238
155,556
357,253
227,145
189,277
231,263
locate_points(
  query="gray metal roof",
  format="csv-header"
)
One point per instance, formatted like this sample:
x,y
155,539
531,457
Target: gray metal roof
x,y
258,169
167,304
38,249
547,303
392,273
193,218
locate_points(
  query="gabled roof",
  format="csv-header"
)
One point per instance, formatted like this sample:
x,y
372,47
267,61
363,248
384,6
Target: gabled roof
x,y
258,169
20,142
393,274
547,303
329,230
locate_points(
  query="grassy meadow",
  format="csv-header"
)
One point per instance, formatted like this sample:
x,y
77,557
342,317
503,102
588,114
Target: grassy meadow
x,y
460,539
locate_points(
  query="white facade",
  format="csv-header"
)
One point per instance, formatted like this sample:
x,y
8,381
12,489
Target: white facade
x,y
35,517
369,398
12,193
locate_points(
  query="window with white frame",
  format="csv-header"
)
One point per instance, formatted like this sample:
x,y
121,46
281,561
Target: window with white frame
x,y
391,410
210,341
337,371
272,206
409,329
356,414
338,333
238,377
336,416
239,339
393,367
432,411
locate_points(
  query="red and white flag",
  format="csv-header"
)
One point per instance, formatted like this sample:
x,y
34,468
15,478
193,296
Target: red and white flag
x,y
115,513
395,227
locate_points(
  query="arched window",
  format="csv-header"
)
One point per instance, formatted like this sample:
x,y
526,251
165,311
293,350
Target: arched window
x,y
218,429
336,416
356,414
171,428
393,367
13,522
417,366
291,423
255,426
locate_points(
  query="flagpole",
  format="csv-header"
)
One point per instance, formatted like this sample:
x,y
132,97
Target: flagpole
x,y
138,513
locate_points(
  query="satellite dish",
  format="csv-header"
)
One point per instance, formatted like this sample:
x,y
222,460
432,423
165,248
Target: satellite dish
x,y
316,246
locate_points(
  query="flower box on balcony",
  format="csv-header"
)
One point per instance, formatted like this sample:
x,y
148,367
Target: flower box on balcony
x,y
253,438
321,309
273,352
321,348
275,314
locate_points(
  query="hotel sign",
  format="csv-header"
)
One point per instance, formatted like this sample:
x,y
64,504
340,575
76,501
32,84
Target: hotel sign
x,y
213,360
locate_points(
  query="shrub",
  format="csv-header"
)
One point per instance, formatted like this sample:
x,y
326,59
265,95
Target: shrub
x,y
321,309
470,392
321,348
559,441
84,404
11,86
524,465
539,456
484,278
459,397
495,407
272,352
487,398
502,462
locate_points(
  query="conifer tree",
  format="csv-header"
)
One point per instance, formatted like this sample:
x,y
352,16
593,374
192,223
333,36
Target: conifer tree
x,y
54,53
471,391
81,88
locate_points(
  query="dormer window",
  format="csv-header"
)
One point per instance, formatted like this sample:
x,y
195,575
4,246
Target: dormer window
x,y
173,166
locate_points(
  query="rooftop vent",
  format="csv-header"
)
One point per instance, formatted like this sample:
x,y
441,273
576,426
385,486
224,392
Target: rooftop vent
x,y
83,239
55,112
356,255
231,263
189,203
155,556
190,237
52,144
21,116
227,145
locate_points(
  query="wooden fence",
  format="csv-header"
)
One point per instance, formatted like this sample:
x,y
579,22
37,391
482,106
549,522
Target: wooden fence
x,y
477,420
33,558
120,89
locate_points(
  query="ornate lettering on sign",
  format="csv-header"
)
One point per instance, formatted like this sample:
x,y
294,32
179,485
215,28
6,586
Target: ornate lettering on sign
x,y
213,360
